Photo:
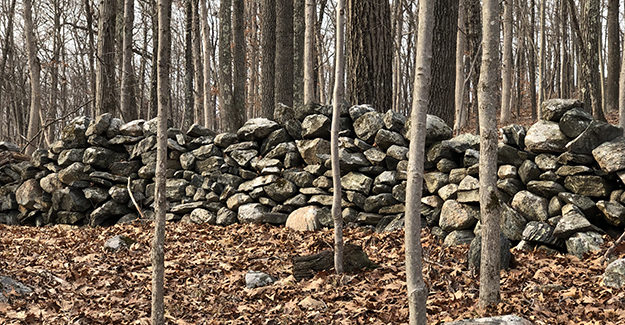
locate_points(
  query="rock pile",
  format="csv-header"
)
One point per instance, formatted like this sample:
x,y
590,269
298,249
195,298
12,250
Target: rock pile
x,y
560,181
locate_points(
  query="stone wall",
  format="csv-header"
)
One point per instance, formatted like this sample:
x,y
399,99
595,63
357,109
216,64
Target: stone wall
x,y
560,181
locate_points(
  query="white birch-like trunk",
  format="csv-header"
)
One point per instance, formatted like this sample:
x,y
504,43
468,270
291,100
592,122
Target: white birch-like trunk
x,y
506,80
309,43
461,40
35,85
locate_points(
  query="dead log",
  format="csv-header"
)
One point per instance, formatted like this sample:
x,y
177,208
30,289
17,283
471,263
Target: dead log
x,y
355,259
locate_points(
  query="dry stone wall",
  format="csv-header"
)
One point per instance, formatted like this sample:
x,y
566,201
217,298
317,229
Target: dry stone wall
x,y
560,181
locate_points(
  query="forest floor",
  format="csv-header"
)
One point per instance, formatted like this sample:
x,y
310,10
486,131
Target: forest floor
x,y
76,281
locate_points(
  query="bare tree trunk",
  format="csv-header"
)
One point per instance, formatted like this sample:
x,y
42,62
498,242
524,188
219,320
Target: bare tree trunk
x,y
105,67
299,27
506,87
398,29
225,64
417,290
339,90
187,114
158,245
7,49
127,101
441,100
209,116
284,52
621,93
198,76
489,202
309,57
461,113
238,107
35,86
564,55
614,58
532,61
541,58
268,49
91,51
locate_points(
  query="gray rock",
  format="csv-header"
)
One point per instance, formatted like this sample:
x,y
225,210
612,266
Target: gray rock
x,y
355,181
257,182
614,212
588,185
584,203
274,139
436,129
69,217
197,130
512,223
397,152
471,157
546,162
30,195
614,275
223,140
583,242
514,135
572,221
367,126
118,243
459,237
394,121
95,195
235,201
283,113
611,155
175,189
243,157
206,151
375,156
475,253
350,160
446,165
509,155
132,128
69,156
574,122
357,111
555,206
572,170
312,151
365,218
554,109
252,213
306,218
595,134
547,189
531,206
545,136
70,199
528,171
448,192
11,286
575,158
316,126
458,216
107,213
280,190
375,202
8,146
100,157
226,217
385,138
50,183
540,232
507,171
256,129
203,216
457,175
255,279
73,134
435,180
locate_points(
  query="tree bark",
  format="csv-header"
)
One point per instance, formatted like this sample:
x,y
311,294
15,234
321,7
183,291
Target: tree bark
x,y
532,60
225,64
309,57
621,93
198,76
209,114
238,107
91,50
441,101
461,114
153,108
474,39
369,53
299,27
417,290
127,101
268,54
614,58
506,82
541,58
284,52
339,75
489,202
158,244
105,67
187,114
305,267
35,86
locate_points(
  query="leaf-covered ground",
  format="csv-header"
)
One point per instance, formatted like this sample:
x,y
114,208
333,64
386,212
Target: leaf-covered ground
x,y
76,281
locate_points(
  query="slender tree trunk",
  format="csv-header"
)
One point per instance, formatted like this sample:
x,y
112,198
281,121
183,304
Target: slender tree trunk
x,y
397,53
238,107
614,58
7,49
35,86
127,100
158,245
339,89
309,57
532,61
153,108
198,76
91,50
225,65
417,290
268,49
441,100
474,39
105,67
209,115
299,27
621,93
284,52
489,202
564,55
461,113
541,58
506,87
187,115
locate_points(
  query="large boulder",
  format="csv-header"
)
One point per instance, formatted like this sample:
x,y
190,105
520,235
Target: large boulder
x,y
313,151
595,134
30,195
316,126
545,136
257,129
458,216
574,122
531,206
367,126
307,218
554,109
611,155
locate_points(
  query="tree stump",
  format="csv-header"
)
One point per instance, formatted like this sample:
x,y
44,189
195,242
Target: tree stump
x,y
355,259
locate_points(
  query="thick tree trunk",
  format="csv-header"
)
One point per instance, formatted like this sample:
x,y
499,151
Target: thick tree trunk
x,y
105,67
237,115
299,27
127,101
417,290
474,39
225,65
187,114
284,52
198,76
506,80
268,54
158,244
309,56
489,202
339,89
614,59
369,51
35,86
441,101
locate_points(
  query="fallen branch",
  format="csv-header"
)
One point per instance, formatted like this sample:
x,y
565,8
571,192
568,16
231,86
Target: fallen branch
x,y
52,122
612,248
355,259
132,197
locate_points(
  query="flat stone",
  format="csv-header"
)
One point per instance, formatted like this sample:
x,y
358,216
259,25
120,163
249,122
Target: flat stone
x,y
614,212
252,213
255,279
554,109
546,189
355,181
588,185
572,221
595,134
257,129
611,155
545,136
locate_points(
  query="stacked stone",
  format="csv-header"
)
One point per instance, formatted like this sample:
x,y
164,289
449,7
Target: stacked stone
x,y
14,169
